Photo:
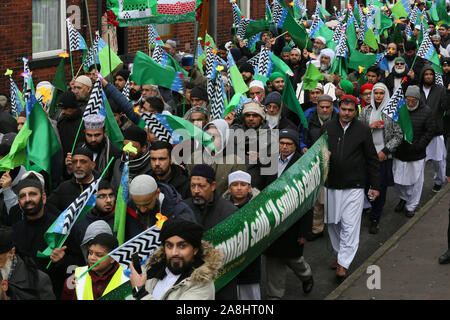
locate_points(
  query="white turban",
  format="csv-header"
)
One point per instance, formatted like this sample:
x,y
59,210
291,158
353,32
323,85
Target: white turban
x,y
327,52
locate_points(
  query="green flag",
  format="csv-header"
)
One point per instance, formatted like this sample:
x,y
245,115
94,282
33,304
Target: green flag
x,y
112,128
59,82
312,77
385,22
396,36
398,10
17,154
148,71
43,142
441,9
297,32
237,81
105,56
255,27
370,40
290,100
352,37
360,60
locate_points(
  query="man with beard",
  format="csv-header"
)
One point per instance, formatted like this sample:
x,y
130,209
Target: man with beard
x,y
435,96
318,44
324,113
19,277
274,115
285,53
440,50
135,93
183,268
29,232
120,79
149,198
400,75
163,170
326,59
276,80
393,53
409,159
139,162
247,72
96,140
199,97
444,33
297,65
210,209
82,88
82,166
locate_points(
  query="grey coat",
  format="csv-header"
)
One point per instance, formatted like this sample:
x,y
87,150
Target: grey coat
x,y
392,133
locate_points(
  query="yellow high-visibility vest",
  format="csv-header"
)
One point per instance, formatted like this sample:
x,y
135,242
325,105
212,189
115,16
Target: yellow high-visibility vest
x,y
83,287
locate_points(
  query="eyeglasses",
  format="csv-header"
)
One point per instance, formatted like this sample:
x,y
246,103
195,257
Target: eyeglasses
x,y
399,63
288,144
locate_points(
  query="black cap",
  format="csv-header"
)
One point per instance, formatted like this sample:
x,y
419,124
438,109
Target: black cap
x,y
134,133
84,151
200,93
68,101
203,170
290,134
190,231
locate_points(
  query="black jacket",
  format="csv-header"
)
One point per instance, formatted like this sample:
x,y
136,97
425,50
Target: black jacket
x,y
437,101
68,128
66,193
352,155
179,179
172,206
287,246
314,130
389,81
423,128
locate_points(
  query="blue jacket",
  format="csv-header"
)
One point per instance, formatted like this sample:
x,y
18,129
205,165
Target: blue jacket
x,y
125,106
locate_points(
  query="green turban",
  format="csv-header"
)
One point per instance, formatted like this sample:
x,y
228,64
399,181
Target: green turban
x,y
347,86
275,75
286,49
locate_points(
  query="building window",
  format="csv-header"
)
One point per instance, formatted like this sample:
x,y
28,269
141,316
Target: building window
x,y
48,28
244,5
165,31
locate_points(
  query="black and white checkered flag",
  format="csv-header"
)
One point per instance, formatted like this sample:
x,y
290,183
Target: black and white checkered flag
x,y
76,41
126,89
425,46
95,100
157,54
438,80
156,127
341,49
393,104
12,94
217,100
240,33
76,207
92,52
337,32
254,61
263,61
236,14
277,12
144,244
209,62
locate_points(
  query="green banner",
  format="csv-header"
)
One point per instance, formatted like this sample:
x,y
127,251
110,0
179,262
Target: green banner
x,y
251,230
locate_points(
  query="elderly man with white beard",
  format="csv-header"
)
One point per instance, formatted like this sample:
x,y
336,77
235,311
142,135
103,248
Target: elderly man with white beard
x,y
274,113
397,75
409,159
16,274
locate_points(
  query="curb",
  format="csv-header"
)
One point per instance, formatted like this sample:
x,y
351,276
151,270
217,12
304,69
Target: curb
x,y
336,293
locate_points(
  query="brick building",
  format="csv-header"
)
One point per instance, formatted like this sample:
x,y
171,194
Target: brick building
x,y
36,29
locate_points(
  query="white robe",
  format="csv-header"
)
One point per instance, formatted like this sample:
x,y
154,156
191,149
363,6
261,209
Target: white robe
x,y
408,178
343,211
437,152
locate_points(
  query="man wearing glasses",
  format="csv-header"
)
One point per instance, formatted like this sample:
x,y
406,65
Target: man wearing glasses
x,y
400,75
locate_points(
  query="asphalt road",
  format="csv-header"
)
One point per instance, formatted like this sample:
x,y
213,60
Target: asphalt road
x,y
320,256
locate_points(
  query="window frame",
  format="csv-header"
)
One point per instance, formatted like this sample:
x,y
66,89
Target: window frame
x,y
54,53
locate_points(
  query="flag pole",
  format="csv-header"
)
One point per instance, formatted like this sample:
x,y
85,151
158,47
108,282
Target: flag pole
x,y
76,137
71,63
64,239
90,31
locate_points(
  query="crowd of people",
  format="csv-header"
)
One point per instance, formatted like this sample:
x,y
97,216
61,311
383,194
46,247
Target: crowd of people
x,y
369,153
